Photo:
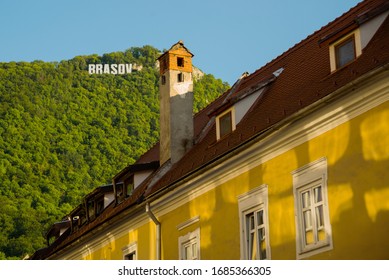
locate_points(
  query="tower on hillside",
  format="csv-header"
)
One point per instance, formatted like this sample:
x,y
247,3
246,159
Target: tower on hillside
x,y
176,103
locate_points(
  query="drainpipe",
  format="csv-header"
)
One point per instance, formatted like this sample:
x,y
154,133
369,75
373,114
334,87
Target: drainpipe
x,y
158,229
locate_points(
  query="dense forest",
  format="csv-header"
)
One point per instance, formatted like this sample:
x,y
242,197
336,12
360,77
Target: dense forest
x,y
64,132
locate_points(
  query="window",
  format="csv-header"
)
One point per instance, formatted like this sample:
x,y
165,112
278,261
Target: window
x,y
311,209
121,192
129,252
130,257
345,52
129,185
95,206
180,77
163,79
180,61
189,246
91,209
189,250
99,205
225,123
254,224
255,235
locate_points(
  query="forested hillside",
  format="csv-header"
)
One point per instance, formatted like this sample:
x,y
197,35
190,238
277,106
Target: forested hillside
x,y
64,132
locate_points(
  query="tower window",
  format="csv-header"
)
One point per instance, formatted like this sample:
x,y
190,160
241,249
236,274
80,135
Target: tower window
x,y
180,61
163,79
180,77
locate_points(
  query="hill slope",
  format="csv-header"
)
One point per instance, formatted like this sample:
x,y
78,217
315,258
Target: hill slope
x,y
64,132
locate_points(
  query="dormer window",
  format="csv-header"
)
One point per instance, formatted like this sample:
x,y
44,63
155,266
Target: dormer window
x,y
99,205
225,123
129,185
95,207
91,209
120,192
125,188
345,50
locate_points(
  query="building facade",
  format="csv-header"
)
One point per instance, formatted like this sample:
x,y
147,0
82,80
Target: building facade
x,y
290,163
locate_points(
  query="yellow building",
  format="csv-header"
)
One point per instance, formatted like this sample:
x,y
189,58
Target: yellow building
x,y
291,163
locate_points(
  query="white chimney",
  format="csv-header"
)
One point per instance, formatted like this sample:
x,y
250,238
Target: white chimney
x,y
176,103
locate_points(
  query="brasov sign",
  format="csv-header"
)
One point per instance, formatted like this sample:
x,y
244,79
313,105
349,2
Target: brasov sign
x,y
114,69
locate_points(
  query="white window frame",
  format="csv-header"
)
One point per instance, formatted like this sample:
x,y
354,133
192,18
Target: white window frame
x,y
130,249
233,123
189,239
306,179
252,202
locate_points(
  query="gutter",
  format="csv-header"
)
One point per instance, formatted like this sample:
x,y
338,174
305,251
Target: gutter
x,y
158,230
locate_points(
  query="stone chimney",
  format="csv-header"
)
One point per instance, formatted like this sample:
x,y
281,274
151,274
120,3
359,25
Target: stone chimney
x,y
176,103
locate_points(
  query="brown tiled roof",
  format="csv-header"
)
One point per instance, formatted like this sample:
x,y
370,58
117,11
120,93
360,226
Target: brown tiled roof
x,y
306,78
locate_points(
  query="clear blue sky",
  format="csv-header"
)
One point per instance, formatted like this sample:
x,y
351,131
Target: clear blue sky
x,y
226,37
